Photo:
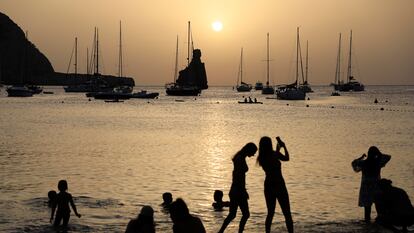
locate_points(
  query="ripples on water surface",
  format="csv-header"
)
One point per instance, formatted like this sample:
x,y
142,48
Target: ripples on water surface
x,y
120,156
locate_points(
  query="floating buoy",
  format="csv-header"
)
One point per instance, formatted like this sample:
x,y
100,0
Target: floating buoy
x,y
307,105
382,109
287,104
308,98
89,99
332,107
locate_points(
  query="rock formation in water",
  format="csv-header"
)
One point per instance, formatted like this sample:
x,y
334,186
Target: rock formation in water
x,y
19,57
195,73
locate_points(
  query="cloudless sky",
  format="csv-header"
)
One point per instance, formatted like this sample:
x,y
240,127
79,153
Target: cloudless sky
x,y
383,36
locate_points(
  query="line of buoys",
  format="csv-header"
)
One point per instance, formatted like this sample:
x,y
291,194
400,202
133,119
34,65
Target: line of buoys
x,y
355,108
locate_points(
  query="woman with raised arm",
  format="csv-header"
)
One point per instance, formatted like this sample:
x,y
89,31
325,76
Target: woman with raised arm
x,y
371,174
238,193
274,185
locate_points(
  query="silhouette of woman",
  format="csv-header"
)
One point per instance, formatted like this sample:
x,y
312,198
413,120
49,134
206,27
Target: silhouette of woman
x,y
183,221
371,174
274,185
62,201
238,193
144,223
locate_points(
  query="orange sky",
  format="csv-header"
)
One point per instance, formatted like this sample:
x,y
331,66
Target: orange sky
x,y
383,36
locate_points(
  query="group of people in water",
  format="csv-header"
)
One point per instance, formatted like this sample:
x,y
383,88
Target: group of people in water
x,y
392,204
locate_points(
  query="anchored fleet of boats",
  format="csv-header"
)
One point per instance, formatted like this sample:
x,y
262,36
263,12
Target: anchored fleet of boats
x,y
191,80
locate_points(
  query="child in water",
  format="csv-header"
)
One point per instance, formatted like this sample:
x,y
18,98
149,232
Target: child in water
x,y
168,199
219,203
52,198
62,201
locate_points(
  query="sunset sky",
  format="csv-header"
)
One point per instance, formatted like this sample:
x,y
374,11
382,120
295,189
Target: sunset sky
x,y
383,36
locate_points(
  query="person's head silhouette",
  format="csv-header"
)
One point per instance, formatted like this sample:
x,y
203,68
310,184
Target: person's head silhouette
x,y
218,195
167,198
63,185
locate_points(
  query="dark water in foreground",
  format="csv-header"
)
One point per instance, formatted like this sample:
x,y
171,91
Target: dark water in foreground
x,y
117,157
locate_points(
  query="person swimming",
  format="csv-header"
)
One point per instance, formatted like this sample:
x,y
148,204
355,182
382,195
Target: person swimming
x,y
219,203
168,199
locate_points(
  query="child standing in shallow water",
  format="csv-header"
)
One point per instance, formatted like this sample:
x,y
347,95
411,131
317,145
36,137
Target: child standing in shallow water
x,y
62,201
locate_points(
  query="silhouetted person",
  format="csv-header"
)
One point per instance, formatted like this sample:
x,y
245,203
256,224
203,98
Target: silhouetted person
x,y
255,100
144,223
63,199
183,221
167,198
371,170
393,206
274,184
245,100
238,193
52,198
219,203
250,100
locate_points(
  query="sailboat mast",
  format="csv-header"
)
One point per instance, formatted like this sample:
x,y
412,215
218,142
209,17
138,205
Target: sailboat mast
x,y
241,66
120,51
307,50
76,56
87,63
338,62
176,61
297,54
349,73
188,44
97,51
267,82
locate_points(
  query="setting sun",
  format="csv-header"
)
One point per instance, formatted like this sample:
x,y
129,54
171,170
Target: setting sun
x,y
217,26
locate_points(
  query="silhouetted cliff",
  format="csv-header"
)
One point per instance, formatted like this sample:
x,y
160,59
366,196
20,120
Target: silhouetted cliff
x,y
21,62
19,57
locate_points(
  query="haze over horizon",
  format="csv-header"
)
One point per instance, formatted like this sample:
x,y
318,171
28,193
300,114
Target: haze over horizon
x,y
382,36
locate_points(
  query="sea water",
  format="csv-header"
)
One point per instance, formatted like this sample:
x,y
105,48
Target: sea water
x,y
118,157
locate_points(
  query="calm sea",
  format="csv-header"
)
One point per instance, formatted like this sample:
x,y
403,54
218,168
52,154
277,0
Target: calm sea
x,y
117,157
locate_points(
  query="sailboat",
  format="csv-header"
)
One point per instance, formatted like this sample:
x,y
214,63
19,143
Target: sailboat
x,y
191,80
268,90
355,85
305,86
351,84
338,84
96,83
242,87
21,89
292,91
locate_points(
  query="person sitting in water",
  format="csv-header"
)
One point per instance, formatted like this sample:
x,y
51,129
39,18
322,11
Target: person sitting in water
x,y
183,221
219,203
52,198
167,198
144,223
63,199
393,206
